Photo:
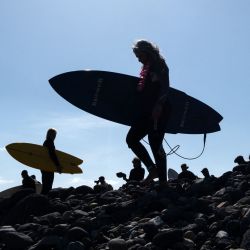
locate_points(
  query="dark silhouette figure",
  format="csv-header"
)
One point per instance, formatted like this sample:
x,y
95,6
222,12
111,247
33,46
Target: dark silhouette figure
x,y
205,173
209,177
152,90
27,181
240,160
102,185
48,177
34,178
136,174
186,175
205,186
243,166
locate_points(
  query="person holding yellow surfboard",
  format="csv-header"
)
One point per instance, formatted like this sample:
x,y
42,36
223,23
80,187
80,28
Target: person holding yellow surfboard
x,y
48,177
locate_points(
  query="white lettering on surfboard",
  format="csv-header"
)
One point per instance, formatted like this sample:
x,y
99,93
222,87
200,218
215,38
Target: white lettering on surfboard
x,y
96,95
184,115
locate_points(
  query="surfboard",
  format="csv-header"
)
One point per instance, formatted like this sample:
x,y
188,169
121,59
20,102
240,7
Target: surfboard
x,y
37,156
113,96
10,191
172,174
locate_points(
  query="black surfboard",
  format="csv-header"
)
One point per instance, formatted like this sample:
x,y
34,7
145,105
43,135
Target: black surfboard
x,y
113,96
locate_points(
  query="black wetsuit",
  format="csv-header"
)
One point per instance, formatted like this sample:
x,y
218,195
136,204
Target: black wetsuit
x,y
48,177
144,125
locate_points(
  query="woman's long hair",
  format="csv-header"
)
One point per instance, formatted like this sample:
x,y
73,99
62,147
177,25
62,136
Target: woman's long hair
x,y
151,50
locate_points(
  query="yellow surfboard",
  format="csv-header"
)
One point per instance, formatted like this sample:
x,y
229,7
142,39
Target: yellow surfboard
x,y
37,156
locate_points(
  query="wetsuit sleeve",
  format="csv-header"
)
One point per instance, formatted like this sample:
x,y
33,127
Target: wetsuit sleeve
x,y
164,85
161,78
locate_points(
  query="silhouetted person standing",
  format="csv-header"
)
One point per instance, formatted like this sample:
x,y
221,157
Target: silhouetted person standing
x,y
27,181
48,177
152,91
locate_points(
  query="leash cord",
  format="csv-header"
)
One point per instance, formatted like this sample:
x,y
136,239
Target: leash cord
x,y
173,150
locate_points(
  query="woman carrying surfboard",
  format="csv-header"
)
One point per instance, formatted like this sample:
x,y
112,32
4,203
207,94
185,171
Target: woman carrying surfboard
x,y
152,91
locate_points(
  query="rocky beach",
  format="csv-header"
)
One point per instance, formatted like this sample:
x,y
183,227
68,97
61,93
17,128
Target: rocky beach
x,y
210,214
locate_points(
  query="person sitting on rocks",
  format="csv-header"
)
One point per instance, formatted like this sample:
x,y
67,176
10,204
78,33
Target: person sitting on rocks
x,y
243,166
205,173
27,181
34,178
204,186
240,160
102,185
136,174
186,175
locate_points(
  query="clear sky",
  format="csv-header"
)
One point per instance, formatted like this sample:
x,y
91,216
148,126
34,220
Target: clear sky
x,y
206,44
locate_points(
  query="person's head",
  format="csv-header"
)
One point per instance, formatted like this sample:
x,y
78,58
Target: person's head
x,y
184,167
51,134
24,173
33,176
136,162
239,160
146,52
205,172
101,179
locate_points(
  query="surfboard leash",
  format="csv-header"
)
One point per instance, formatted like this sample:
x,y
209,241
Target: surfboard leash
x,y
175,148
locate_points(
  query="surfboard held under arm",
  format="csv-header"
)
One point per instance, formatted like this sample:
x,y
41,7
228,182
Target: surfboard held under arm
x,y
37,156
114,96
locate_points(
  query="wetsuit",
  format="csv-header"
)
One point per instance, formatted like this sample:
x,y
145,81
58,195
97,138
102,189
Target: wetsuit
x,y
152,89
48,177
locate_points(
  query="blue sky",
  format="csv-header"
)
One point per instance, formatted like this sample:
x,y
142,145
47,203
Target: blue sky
x,y
206,46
